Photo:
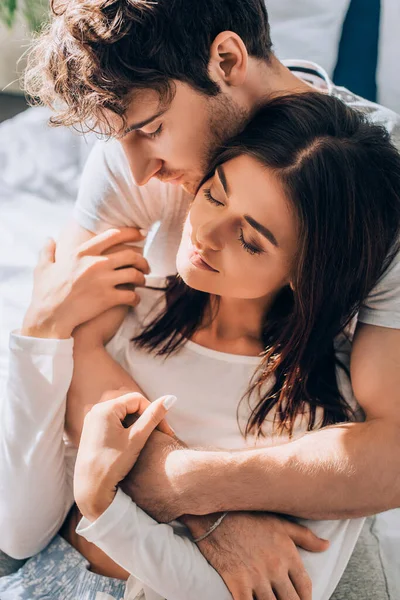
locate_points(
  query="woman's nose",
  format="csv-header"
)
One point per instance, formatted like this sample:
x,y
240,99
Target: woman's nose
x,y
209,235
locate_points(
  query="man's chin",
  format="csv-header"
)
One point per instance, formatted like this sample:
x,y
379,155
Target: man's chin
x,y
190,187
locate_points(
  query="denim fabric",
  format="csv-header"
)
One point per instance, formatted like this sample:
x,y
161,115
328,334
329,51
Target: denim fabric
x,y
59,572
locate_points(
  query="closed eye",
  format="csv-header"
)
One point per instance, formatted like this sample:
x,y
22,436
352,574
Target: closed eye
x,y
155,133
250,248
211,199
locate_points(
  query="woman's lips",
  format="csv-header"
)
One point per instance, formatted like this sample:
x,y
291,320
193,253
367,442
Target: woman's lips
x,y
199,262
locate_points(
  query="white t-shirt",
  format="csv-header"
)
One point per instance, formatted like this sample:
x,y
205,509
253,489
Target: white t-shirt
x,y
109,197
37,469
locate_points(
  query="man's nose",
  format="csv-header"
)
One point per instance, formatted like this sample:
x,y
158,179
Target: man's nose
x,y
143,167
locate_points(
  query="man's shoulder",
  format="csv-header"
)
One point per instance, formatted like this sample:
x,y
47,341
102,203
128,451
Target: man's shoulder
x,y
376,113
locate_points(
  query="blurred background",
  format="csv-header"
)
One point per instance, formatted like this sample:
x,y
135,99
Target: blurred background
x,y
356,41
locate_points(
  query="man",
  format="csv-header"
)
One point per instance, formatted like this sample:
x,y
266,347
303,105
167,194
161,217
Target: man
x,y
170,81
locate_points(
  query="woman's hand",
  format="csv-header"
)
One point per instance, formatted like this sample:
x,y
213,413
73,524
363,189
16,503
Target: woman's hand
x,y
109,449
71,291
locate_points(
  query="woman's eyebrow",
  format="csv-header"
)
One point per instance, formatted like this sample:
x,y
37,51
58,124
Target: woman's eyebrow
x,y
261,229
222,177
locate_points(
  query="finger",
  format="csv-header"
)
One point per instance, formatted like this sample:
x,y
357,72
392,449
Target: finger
x,y
122,406
162,426
129,258
265,592
47,254
128,275
301,582
100,243
140,431
305,538
125,298
239,593
284,590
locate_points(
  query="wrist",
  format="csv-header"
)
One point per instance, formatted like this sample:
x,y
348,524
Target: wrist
x,y
94,501
41,325
199,525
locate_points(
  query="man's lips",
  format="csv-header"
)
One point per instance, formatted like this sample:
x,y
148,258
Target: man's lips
x,y
198,261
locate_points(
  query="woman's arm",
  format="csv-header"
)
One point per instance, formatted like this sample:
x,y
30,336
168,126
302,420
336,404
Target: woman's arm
x,y
35,495
169,564
95,371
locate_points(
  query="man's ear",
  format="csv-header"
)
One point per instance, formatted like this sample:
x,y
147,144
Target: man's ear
x,y
228,59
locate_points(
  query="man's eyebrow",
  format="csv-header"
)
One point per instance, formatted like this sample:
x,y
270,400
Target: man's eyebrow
x,y
141,124
261,229
221,175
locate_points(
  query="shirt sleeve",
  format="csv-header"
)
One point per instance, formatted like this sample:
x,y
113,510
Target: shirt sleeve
x,y
169,564
108,196
382,306
35,493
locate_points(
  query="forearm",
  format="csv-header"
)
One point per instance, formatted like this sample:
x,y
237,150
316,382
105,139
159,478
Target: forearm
x,y
339,472
34,488
95,372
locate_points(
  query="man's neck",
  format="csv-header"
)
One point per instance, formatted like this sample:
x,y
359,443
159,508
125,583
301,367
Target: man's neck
x,y
271,79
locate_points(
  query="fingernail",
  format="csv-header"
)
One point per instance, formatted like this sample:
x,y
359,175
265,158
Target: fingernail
x,y
169,401
143,232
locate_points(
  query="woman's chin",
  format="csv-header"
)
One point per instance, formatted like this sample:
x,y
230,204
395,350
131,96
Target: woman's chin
x,y
196,279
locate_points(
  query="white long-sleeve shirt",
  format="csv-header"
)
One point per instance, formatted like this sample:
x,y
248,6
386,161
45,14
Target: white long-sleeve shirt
x,y
37,467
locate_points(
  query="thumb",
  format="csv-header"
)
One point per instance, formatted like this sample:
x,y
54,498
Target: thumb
x,y
306,539
141,430
48,253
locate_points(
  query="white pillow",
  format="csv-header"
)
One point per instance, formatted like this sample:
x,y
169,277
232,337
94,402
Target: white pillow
x,y
308,29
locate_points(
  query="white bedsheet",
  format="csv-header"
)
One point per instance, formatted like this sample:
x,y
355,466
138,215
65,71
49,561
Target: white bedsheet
x,y
39,176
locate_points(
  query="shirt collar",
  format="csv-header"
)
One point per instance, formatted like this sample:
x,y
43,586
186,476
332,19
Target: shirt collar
x,y
310,72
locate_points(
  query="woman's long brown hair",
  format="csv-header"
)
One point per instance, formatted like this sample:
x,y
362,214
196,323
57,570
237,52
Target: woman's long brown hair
x,y
342,177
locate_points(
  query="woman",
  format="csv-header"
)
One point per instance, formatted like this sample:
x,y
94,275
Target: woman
x,y
293,227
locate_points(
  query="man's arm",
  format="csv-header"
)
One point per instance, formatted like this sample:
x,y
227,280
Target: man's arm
x,y
338,472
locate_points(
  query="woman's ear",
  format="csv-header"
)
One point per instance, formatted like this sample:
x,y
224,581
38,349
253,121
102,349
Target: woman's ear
x,y
228,59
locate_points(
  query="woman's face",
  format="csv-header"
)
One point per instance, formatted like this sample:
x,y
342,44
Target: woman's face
x,y
240,236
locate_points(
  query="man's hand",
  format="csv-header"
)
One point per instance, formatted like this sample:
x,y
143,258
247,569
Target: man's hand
x,y
256,555
82,285
110,446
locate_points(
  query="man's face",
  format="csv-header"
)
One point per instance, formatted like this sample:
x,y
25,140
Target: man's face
x,y
174,143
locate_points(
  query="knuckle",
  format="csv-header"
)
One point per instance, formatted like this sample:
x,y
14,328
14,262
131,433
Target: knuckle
x,y
132,297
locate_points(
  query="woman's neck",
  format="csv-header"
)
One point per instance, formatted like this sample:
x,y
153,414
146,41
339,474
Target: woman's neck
x,y
236,326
